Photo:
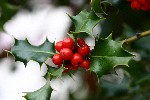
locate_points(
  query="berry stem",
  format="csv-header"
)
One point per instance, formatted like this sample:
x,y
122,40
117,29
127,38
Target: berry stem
x,y
136,37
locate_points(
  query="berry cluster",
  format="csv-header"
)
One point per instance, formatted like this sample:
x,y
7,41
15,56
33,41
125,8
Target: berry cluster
x,y
140,4
71,54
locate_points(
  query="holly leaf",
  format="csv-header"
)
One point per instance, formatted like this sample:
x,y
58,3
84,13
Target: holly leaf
x,y
43,93
54,72
85,22
108,54
24,51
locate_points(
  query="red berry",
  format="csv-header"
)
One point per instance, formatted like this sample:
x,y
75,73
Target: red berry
x,y
85,64
68,43
58,46
76,59
66,54
57,60
135,5
84,50
80,41
143,2
145,7
65,71
73,48
72,67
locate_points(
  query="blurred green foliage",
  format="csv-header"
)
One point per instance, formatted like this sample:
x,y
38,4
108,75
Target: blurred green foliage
x,y
8,8
122,22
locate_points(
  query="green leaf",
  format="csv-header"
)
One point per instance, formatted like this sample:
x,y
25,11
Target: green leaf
x,y
24,51
43,93
99,6
96,6
141,76
8,8
54,72
85,22
7,12
73,36
108,54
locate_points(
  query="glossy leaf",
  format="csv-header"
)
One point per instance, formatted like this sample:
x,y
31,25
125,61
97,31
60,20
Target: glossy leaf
x,y
85,22
54,72
96,6
43,93
108,54
24,51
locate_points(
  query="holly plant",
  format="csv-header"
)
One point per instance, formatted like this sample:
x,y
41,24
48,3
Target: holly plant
x,y
73,54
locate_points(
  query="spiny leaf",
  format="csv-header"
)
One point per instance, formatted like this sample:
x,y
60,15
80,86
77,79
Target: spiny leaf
x,y
43,93
24,51
108,54
54,72
85,22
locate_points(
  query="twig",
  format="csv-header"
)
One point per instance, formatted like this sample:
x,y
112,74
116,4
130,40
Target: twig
x,y
136,37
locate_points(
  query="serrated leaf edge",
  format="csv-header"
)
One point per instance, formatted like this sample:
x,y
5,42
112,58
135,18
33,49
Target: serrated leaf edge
x,y
25,62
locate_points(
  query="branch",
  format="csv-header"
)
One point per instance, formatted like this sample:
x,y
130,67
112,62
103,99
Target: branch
x,y
136,37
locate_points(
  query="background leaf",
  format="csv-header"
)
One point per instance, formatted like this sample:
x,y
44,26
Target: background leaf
x,y
110,89
141,76
8,8
96,6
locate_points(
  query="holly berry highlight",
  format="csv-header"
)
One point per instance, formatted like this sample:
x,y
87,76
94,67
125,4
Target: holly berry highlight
x,y
71,54
140,4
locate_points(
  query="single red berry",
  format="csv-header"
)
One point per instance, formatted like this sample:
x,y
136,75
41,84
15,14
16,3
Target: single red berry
x,y
135,4
68,43
85,64
66,54
84,50
80,41
143,2
72,67
145,7
76,59
57,60
59,46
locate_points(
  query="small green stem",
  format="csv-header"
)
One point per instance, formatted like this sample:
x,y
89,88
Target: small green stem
x,y
136,37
